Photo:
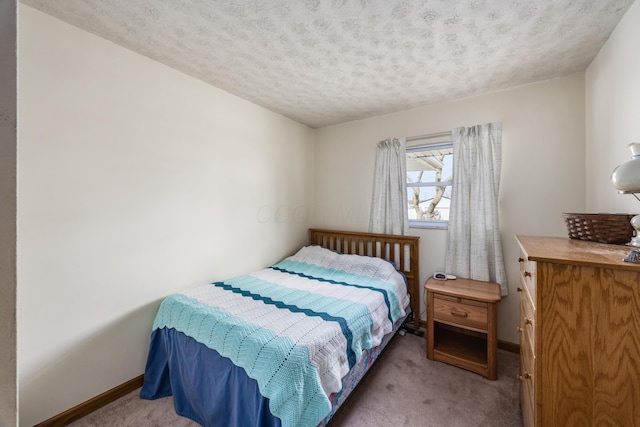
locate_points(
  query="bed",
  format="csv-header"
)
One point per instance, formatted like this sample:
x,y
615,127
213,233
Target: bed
x,y
286,345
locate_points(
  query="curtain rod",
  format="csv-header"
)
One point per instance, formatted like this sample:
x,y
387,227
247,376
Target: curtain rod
x,y
429,135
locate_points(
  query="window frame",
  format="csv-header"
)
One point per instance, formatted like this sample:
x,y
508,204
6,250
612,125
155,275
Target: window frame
x,y
436,224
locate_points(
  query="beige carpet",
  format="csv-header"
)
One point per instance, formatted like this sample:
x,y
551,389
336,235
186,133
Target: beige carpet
x,y
403,389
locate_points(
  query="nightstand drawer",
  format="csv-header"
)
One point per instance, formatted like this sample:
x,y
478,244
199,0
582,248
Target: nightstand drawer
x,y
460,311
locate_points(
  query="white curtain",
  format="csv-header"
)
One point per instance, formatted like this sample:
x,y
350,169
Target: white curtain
x,y
389,208
474,250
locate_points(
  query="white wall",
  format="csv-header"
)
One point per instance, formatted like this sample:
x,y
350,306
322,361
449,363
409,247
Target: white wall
x,y
542,175
8,105
613,113
135,181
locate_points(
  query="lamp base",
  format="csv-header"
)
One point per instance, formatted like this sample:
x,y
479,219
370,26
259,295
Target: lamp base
x,y
635,223
633,256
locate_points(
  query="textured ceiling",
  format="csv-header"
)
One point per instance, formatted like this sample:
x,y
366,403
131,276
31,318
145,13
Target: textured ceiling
x,y
323,62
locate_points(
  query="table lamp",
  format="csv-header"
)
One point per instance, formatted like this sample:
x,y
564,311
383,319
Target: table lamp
x,y
626,179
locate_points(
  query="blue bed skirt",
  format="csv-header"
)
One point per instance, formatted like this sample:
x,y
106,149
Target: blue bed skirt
x,y
210,390
206,387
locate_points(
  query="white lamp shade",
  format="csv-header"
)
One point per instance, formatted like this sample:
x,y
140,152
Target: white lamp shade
x,y
626,177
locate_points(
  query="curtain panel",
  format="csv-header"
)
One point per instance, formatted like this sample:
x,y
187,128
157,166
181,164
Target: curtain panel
x,y
389,207
474,248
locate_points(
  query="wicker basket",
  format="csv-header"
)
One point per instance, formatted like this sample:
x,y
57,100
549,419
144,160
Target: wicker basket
x,y
603,228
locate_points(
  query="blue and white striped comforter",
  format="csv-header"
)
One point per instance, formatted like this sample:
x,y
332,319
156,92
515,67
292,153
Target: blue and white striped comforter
x,y
297,327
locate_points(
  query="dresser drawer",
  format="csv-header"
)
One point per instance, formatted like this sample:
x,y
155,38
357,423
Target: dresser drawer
x,y
527,318
527,384
460,311
527,362
528,274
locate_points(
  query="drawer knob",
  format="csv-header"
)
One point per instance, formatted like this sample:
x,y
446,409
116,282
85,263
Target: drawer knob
x,y
527,274
519,289
526,376
458,314
528,321
518,329
520,260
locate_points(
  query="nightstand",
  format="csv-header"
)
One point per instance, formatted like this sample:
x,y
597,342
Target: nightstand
x,y
462,324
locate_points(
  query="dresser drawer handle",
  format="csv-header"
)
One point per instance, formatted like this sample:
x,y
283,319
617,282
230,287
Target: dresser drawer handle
x,y
518,329
458,314
527,274
528,321
520,260
519,289
526,376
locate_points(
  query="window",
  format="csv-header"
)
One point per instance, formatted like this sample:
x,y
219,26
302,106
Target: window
x,y
429,180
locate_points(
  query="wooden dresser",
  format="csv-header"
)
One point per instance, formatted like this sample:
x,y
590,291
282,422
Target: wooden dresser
x,y
580,333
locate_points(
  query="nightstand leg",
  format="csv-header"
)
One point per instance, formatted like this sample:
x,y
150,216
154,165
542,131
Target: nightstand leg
x,y
430,329
492,342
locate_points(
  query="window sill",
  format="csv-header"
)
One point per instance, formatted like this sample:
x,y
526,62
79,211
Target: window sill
x,y
435,225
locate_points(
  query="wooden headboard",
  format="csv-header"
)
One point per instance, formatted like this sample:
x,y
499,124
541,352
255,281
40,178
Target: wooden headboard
x,y
400,250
